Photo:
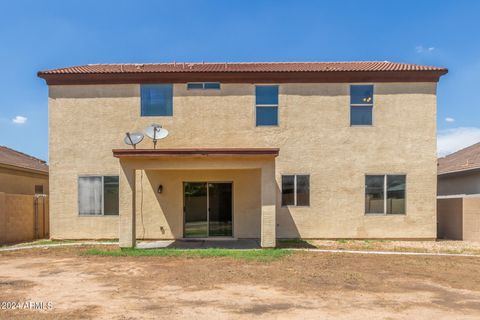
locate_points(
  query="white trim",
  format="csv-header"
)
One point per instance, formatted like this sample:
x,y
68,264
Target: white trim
x,y
457,196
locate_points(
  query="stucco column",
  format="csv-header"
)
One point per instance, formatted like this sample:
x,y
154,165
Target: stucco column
x,y
269,192
126,233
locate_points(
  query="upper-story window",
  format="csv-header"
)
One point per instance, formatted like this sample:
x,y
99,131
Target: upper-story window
x,y
266,102
156,99
361,105
203,86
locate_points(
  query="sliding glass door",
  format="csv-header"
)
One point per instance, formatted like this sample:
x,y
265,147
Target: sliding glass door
x,y
207,209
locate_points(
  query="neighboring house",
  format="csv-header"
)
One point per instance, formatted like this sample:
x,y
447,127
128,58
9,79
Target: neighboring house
x,y
21,173
255,150
458,205
23,201
459,172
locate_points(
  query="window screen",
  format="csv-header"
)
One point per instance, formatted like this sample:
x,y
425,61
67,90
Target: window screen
x,y
90,195
396,194
288,190
303,190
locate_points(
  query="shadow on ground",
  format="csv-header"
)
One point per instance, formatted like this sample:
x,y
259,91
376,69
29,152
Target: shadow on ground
x,y
200,244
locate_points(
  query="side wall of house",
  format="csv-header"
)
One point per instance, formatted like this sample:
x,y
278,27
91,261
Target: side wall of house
x,y
466,183
21,182
314,137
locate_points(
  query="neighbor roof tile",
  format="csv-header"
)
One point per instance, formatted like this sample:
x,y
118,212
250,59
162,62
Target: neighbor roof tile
x,y
462,160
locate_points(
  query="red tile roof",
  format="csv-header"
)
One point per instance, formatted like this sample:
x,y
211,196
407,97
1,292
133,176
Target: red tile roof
x,y
354,66
19,159
462,160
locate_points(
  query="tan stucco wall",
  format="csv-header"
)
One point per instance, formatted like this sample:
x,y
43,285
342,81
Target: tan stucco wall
x,y
314,137
21,182
17,218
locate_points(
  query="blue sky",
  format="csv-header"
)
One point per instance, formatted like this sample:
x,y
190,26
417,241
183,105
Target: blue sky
x,y
38,35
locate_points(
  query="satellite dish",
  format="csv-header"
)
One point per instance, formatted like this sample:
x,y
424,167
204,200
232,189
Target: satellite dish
x,y
133,139
156,132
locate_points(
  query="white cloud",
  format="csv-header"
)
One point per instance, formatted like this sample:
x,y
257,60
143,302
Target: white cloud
x,y
19,120
449,119
422,49
451,140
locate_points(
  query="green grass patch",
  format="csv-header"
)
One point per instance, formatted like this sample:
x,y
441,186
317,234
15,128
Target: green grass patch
x,y
254,254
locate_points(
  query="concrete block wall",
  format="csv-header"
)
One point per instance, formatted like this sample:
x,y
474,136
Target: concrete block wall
x,y
17,218
459,218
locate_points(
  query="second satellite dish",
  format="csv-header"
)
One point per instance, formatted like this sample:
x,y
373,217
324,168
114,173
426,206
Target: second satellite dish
x,y
156,132
133,138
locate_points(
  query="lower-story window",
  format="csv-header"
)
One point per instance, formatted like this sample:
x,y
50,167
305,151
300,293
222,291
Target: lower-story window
x,y
296,190
98,195
385,194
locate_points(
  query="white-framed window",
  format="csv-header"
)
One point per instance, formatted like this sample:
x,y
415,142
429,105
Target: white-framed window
x,y
98,195
361,105
296,190
266,105
156,100
385,194
203,86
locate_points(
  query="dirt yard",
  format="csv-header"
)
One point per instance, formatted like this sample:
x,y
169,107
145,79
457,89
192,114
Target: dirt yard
x,y
303,285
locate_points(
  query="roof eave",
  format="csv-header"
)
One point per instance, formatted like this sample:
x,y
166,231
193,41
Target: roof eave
x,y
23,169
459,172
242,77
194,152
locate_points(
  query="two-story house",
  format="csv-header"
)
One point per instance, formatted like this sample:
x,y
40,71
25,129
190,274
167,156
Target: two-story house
x,y
255,150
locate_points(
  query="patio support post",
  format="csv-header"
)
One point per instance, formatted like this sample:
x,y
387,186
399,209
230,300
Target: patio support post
x,y
127,206
268,226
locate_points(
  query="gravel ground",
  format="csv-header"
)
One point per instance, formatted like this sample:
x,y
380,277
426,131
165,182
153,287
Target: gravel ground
x,y
301,285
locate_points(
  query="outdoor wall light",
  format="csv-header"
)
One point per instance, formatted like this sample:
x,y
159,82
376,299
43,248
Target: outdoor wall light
x,y
160,189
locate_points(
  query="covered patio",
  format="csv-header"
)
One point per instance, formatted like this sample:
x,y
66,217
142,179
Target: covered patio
x,y
180,166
